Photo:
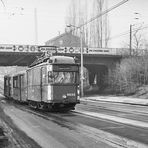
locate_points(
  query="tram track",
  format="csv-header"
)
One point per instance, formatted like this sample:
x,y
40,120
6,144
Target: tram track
x,y
133,114
97,134
97,105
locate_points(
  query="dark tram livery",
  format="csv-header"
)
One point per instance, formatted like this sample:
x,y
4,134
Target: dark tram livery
x,y
49,83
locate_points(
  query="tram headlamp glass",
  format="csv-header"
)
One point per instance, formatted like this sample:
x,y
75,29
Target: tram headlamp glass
x,y
78,90
64,96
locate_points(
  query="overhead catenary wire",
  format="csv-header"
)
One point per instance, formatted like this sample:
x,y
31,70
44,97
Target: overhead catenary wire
x,y
3,3
127,32
99,15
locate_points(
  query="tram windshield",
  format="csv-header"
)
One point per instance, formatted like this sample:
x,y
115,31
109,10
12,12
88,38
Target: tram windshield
x,y
63,77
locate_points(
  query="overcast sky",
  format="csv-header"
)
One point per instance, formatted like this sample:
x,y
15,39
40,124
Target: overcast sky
x,y
17,20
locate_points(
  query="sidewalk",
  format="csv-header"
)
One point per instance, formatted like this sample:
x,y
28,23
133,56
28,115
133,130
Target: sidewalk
x,y
117,99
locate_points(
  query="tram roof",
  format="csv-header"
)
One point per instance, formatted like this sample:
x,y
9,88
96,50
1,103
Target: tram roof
x,y
62,60
12,74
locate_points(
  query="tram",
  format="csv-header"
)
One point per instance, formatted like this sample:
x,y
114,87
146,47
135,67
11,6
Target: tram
x,y
54,83
51,82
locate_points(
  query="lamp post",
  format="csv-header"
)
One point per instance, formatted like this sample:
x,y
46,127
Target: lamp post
x,y
81,51
131,25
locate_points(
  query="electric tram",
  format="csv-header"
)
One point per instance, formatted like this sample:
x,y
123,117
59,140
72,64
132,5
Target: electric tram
x,y
50,82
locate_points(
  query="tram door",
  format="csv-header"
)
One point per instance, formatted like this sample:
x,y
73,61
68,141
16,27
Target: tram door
x,y
7,87
43,85
20,86
23,89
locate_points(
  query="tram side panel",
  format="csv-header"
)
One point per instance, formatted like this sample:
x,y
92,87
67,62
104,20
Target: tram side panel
x,y
45,96
23,87
34,87
16,88
20,87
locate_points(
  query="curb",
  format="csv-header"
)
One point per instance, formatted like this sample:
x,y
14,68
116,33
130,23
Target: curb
x,y
115,101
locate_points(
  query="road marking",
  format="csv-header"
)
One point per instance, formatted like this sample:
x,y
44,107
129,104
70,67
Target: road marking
x,y
112,127
35,126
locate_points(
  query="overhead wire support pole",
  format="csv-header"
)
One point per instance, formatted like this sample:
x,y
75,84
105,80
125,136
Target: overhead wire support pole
x,y
79,27
82,75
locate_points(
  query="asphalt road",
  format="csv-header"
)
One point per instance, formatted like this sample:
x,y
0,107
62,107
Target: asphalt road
x,y
51,130
90,125
115,116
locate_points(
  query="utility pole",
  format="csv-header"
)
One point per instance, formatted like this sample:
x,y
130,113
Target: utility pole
x,y
81,52
36,26
82,75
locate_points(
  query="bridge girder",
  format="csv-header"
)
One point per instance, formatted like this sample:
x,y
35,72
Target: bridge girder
x,y
19,59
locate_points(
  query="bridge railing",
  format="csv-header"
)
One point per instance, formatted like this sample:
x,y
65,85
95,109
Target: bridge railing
x,y
92,50
103,51
71,50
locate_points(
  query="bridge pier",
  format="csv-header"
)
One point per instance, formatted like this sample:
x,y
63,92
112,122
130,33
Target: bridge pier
x,y
97,75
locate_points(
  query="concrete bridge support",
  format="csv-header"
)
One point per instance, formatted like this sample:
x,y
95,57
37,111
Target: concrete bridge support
x,y
97,75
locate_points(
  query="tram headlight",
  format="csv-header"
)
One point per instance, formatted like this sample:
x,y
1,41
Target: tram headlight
x,y
78,94
78,90
64,96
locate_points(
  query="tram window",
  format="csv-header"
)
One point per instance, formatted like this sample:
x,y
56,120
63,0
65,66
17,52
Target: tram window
x,y
36,76
50,77
44,75
7,82
15,82
64,77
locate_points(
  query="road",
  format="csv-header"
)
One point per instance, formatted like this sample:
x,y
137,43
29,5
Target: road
x,y
93,124
130,121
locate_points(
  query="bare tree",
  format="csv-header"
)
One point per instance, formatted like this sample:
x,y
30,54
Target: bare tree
x,y
138,42
137,39
96,33
100,27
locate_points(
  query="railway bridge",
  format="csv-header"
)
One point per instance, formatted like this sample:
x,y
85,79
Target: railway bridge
x,y
98,61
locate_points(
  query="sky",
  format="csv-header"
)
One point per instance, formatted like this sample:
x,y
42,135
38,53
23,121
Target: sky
x,y
122,17
17,19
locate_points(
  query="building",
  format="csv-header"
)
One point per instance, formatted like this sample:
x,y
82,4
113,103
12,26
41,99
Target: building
x,y
66,39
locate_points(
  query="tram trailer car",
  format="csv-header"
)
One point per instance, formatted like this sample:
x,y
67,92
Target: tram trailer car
x,y
15,86
19,92
54,84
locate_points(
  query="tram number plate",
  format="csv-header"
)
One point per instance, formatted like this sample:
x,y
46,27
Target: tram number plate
x,y
71,94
